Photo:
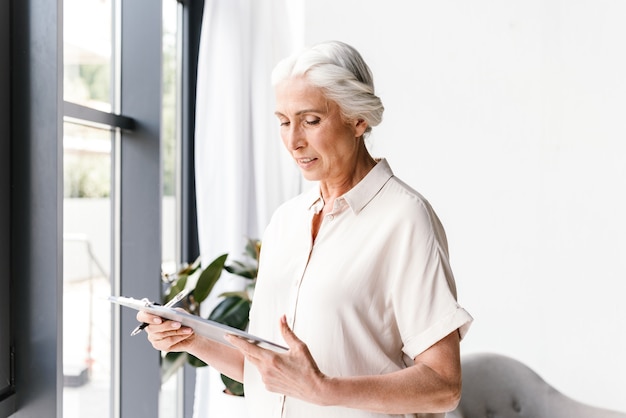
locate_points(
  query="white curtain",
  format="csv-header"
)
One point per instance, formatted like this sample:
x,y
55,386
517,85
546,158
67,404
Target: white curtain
x,y
242,171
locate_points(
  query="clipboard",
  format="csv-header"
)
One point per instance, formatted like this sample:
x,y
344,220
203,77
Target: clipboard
x,y
205,327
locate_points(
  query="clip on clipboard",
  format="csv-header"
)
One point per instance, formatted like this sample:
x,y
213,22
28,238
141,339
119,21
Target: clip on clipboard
x,y
205,327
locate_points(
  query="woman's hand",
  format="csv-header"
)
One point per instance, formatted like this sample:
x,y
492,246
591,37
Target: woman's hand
x,y
171,336
165,335
293,373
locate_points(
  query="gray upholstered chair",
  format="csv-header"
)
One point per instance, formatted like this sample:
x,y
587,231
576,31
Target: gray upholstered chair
x,y
495,386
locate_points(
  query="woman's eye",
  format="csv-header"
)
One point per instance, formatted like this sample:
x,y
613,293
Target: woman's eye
x,y
312,121
285,123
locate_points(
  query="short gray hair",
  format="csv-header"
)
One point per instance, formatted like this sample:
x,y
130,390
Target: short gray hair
x,y
339,70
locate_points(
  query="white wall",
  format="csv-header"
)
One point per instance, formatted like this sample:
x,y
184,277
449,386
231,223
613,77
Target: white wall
x,y
510,117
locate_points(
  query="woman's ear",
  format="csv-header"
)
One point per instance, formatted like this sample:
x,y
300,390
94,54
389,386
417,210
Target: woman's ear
x,y
360,125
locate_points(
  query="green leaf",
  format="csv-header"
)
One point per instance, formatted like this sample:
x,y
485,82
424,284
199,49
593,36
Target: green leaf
x,y
242,269
195,361
242,294
191,268
232,311
253,248
175,288
170,359
208,278
233,387
170,364
187,269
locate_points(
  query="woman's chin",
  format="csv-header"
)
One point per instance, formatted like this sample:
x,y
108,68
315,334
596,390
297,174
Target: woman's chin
x,y
309,176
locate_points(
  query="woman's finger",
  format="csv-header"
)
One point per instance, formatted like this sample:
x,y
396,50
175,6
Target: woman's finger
x,y
167,328
247,348
148,318
167,340
290,337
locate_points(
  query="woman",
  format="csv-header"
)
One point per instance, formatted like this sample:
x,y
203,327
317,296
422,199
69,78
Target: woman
x,y
356,269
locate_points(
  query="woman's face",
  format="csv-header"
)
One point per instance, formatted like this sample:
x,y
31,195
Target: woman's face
x,y
322,143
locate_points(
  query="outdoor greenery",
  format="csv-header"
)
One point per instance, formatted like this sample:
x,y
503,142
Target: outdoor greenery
x,y
87,174
170,113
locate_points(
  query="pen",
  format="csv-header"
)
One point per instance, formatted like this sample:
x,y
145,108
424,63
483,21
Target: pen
x,y
169,304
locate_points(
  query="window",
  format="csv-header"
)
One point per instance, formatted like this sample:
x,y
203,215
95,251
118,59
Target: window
x,y
112,202
80,143
88,176
171,404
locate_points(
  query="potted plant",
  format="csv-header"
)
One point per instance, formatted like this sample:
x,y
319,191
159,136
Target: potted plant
x,y
232,310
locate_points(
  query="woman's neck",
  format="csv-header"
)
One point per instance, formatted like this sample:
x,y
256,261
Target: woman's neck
x,y
330,190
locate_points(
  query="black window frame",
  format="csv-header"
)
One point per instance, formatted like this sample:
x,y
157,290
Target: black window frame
x,y
32,112
7,378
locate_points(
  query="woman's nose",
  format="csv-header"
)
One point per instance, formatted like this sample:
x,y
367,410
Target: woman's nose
x,y
294,137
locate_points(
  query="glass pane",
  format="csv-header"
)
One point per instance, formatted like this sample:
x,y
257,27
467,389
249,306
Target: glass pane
x,y
170,133
170,401
87,47
86,271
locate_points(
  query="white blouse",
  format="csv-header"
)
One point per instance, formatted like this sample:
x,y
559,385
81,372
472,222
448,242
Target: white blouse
x,y
373,291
